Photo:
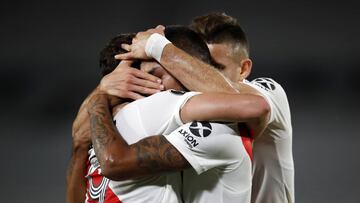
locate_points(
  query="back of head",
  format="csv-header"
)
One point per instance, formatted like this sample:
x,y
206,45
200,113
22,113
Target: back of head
x,y
189,41
107,61
181,36
221,28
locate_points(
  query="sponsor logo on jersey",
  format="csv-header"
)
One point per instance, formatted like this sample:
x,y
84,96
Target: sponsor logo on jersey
x,y
197,129
189,139
200,129
265,83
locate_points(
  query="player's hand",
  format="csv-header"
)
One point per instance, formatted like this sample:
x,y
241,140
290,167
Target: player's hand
x,y
128,82
137,49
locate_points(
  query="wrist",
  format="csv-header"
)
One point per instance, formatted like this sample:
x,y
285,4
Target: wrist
x,y
99,96
113,101
155,45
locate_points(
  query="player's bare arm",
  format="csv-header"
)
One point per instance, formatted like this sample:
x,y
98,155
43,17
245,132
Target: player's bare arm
x,y
75,178
191,72
247,108
118,160
76,181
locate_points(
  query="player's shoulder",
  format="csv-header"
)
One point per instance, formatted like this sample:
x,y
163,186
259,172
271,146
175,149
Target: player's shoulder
x,y
265,83
267,86
276,96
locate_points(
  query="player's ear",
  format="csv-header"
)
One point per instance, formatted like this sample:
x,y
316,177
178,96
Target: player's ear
x,y
246,65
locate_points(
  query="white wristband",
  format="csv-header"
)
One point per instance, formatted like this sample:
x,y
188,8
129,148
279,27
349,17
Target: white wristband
x,y
155,45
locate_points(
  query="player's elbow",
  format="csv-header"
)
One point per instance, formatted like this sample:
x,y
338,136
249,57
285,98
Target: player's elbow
x,y
257,108
115,168
263,107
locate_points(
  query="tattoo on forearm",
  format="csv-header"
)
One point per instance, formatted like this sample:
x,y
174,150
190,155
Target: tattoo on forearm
x,y
100,127
157,154
150,155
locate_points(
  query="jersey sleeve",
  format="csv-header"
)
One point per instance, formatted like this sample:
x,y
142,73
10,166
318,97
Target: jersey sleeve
x,y
157,113
180,104
207,145
276,97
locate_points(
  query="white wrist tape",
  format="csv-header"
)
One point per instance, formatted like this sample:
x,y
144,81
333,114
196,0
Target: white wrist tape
x,y
155,45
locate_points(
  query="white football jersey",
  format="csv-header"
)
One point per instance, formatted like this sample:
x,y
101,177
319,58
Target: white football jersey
x,y
154,115
221,158
221,167
273,165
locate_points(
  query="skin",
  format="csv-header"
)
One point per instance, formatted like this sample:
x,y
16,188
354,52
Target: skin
x,y
179,64
120,161
142,84
128,82
75,177
154,155
198,76
195,75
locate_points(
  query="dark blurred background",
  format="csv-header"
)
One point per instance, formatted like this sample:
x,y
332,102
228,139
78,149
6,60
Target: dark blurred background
x,y
48,64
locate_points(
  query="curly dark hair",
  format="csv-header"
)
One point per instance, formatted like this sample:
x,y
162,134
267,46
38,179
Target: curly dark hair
x,y
107,61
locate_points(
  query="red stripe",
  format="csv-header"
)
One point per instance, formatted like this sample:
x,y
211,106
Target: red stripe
x,y
246,135
110,197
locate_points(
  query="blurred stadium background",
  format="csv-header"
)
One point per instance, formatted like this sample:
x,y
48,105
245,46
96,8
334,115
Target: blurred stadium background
x,y
48,64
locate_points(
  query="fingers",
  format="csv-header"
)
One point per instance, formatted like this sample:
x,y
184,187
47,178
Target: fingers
x,y
146,76
131,91
125,56
127,47
143,90
125,94
148,84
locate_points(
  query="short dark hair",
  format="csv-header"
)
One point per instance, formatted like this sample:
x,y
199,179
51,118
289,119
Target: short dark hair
x,y
221,28
181,36
107,61
189,41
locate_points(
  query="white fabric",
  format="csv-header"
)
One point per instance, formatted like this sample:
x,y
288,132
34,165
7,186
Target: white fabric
x,y
154,115
273,165
221,167
220,157
155,45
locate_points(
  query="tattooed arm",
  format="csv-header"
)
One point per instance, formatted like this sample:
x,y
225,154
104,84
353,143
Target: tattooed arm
x,y
119,160
75,177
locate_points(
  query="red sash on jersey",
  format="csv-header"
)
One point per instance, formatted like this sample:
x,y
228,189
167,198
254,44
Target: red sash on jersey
x,y
246,135
96,179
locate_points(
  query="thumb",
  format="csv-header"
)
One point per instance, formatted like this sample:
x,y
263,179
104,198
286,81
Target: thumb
x,y
126,47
